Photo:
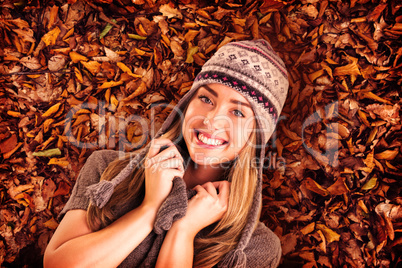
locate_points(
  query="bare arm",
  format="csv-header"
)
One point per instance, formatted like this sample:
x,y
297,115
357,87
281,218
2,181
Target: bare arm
x,y
75,245
177,248
205,208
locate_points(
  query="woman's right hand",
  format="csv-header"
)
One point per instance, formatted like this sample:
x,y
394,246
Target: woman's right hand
x,y
161,167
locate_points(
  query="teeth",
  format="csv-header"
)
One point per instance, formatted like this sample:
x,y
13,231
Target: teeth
x,y
209,141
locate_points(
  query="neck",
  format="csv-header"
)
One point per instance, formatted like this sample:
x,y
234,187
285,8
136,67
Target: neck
x,y
199,174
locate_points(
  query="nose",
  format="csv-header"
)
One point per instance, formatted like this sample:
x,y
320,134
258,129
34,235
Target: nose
x,y
216,120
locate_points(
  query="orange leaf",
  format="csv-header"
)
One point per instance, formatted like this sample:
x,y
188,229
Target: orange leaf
x,y
110,84
371,95
51,37
127,70
58,161
78,75
13,113
329,234
53,16
92,66
52,110
387,155
140,90
308,229
46,125
350,69
203,13
76,57
190,35
51,224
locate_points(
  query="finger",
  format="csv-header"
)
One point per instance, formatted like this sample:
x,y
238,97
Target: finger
x,y
156,146
223,188
210,187
167,172
199,189
170,152
172,163
177,173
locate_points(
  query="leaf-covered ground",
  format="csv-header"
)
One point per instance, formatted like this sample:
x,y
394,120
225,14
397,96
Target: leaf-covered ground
x,y
78,76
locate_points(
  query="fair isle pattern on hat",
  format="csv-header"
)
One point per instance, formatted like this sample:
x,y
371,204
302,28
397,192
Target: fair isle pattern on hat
x,y
255,70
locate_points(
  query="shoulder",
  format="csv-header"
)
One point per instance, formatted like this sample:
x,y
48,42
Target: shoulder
x,y
89,174
103,158
95,165
264,248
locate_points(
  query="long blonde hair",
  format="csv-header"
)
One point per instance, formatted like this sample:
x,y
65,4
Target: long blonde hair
x,y
212,247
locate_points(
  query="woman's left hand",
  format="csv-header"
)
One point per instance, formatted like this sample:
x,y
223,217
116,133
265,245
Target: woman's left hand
x,y
207,206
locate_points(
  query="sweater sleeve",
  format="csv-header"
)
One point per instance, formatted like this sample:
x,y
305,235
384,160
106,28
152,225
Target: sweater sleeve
x,y
264,248
89,174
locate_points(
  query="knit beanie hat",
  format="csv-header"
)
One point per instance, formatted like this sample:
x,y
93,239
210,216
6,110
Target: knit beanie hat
x,y
252,68
255,70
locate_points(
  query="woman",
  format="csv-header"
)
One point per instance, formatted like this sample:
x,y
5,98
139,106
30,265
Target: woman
x,y
192,196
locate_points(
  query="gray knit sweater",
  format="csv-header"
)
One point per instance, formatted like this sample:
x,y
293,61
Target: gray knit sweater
x,y
262,250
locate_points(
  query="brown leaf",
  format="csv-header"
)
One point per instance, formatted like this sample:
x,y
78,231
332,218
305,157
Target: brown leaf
x,y
221,13
170,12
289,243
391,211
142,88
386,112
31,62
376,12
339,187
350,69
8,144
56,63
177,50
313,186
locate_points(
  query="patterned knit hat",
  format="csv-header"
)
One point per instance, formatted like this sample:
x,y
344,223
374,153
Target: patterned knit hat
x,y
255,70
250,67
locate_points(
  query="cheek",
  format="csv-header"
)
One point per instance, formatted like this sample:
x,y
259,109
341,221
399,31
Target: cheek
x,y
238,135
189,113
242,133
195,115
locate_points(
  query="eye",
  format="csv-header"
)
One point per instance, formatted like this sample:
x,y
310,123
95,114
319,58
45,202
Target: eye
x,y
205,99
238,113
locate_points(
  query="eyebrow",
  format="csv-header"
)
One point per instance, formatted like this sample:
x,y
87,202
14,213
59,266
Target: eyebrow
x,y
240,102
213,92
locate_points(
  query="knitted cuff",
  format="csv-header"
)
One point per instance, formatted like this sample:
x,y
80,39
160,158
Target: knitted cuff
x,y
173,208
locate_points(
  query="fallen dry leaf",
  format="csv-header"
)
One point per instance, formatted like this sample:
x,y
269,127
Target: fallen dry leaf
x,y
76,68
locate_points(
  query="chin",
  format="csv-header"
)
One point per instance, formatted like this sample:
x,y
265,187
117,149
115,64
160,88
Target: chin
x,y
210,160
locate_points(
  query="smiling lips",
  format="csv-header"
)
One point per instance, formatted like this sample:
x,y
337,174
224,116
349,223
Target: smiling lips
x,y
206,139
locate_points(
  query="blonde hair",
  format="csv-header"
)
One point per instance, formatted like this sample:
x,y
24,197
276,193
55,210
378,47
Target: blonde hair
x,y
212,247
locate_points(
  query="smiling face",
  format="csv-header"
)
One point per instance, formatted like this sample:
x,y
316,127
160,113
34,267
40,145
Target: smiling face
x,y
217,124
